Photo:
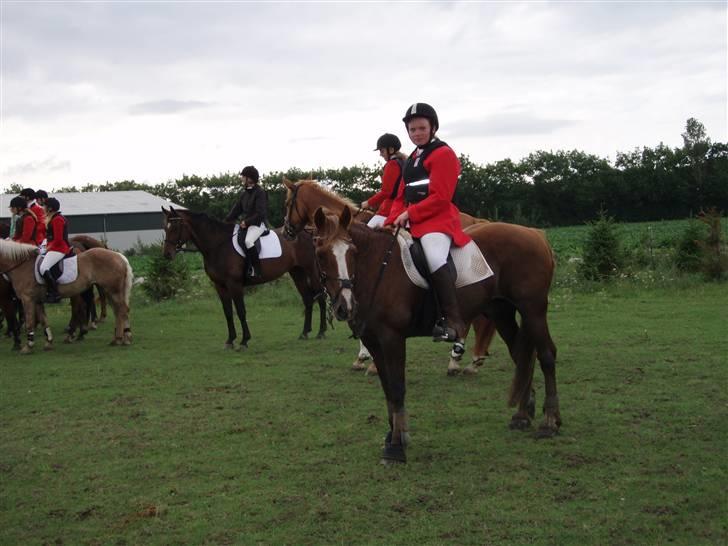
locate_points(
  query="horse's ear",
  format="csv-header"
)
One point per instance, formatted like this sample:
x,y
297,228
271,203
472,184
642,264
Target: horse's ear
x,y
320,220
165,211
288,184
345,218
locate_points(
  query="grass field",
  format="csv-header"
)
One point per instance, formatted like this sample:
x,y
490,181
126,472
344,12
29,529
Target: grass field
x,y
174,441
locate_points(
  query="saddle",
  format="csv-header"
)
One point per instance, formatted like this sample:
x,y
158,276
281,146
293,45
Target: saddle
x,y
268,244
63,272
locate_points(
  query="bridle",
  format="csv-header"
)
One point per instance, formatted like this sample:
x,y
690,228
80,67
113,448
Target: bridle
x,y
178,244
288,228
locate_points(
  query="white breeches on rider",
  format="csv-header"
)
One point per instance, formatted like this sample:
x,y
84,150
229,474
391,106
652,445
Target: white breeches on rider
x,y
437,247
51,258
376,221
252,235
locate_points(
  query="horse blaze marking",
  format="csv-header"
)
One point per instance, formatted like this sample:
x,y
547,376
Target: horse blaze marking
x,y
339,249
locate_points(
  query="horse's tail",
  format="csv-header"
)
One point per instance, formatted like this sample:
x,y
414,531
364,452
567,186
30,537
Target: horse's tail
x,y
128,280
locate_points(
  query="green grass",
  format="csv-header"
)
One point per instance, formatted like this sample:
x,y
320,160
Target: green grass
x,y
175,441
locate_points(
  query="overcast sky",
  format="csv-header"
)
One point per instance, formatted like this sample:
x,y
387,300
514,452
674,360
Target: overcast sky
x,y
149,91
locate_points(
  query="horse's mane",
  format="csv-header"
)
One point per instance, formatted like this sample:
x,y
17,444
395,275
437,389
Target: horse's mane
x,y
315,186
206,219
16,251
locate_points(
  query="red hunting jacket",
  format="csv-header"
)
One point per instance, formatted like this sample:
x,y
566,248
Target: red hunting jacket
x,y
383,198
40,232
436,213
57,234
26,229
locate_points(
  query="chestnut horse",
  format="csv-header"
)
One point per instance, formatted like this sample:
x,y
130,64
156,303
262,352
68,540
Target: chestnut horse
x,y
302,200
349,256
226,268
99,266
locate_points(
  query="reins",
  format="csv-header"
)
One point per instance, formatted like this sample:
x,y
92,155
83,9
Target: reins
x,y
380,275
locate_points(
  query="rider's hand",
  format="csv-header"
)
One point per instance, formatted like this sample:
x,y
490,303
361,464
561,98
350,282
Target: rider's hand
x,y
365,204
402,219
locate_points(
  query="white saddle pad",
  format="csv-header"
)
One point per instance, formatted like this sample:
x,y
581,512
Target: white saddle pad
x,y
70,270
469,263
270,245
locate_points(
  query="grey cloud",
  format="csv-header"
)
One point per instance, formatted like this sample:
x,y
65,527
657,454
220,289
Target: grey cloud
x,y
517,123
50,164
166,107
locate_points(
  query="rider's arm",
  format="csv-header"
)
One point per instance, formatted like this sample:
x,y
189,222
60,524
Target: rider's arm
x,y
234,212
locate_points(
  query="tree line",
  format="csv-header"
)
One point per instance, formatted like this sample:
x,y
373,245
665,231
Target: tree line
x,y
544,189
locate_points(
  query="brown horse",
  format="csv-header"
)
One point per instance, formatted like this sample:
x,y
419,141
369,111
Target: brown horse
x,y
9,310
226,268
349,255
84,243
99,266
302,200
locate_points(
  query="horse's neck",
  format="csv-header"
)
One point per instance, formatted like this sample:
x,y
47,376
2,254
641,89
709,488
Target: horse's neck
x,y
207,235
373,248
322,198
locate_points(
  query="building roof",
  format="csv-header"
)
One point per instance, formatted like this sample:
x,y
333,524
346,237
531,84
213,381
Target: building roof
x,y
103,202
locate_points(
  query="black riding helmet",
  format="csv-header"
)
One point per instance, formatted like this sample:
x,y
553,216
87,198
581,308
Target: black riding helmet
x,y
28,193
18,203
41,194
52,204
388,140
422,110
251,172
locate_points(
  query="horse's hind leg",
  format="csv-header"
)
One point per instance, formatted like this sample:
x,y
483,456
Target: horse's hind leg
x,y
301,281
102,302
546,351
484,332
521,350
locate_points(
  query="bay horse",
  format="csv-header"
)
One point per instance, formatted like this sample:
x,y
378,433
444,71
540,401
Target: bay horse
x,y
226,268
302,200
99,266
349,256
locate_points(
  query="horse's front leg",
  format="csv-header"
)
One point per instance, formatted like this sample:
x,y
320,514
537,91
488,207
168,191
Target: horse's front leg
x,y
389,351
29,311
301,281
239,300
227,308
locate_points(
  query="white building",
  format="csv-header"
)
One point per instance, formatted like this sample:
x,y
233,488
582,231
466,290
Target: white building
x,y
121,218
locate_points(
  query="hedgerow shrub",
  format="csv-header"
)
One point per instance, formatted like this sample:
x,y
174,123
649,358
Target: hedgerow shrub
x,y
165,278
689,253
602,255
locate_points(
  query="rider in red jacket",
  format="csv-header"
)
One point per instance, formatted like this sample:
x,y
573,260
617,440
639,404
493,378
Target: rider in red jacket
x,y
26,224
58,246
388,146
31,197
424,203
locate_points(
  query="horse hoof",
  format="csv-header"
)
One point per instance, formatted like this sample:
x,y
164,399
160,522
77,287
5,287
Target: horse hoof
x,y
452,372
126,342
519,423
478,361
228,346
67,340
321,336
470,370
372,370
92,326
26,350
358,366
545,432
115,342
303,337
48,347
393,454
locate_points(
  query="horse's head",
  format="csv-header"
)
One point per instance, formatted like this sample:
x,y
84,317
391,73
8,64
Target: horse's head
x,y
294,220
336,257
176,233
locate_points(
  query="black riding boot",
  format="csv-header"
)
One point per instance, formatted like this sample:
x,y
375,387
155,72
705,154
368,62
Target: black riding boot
x,y
450,327
253,271
52,295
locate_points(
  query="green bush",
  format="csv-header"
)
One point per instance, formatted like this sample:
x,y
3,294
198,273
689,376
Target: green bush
x,y
714,258
688,254
602,256
165,277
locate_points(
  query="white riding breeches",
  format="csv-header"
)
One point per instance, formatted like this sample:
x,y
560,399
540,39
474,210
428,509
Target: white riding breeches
x,y
252,235
436,247
376,221
51,258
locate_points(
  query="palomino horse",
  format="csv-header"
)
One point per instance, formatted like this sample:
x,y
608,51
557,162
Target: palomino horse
x,y
349,255
99,266
226,268
302,200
